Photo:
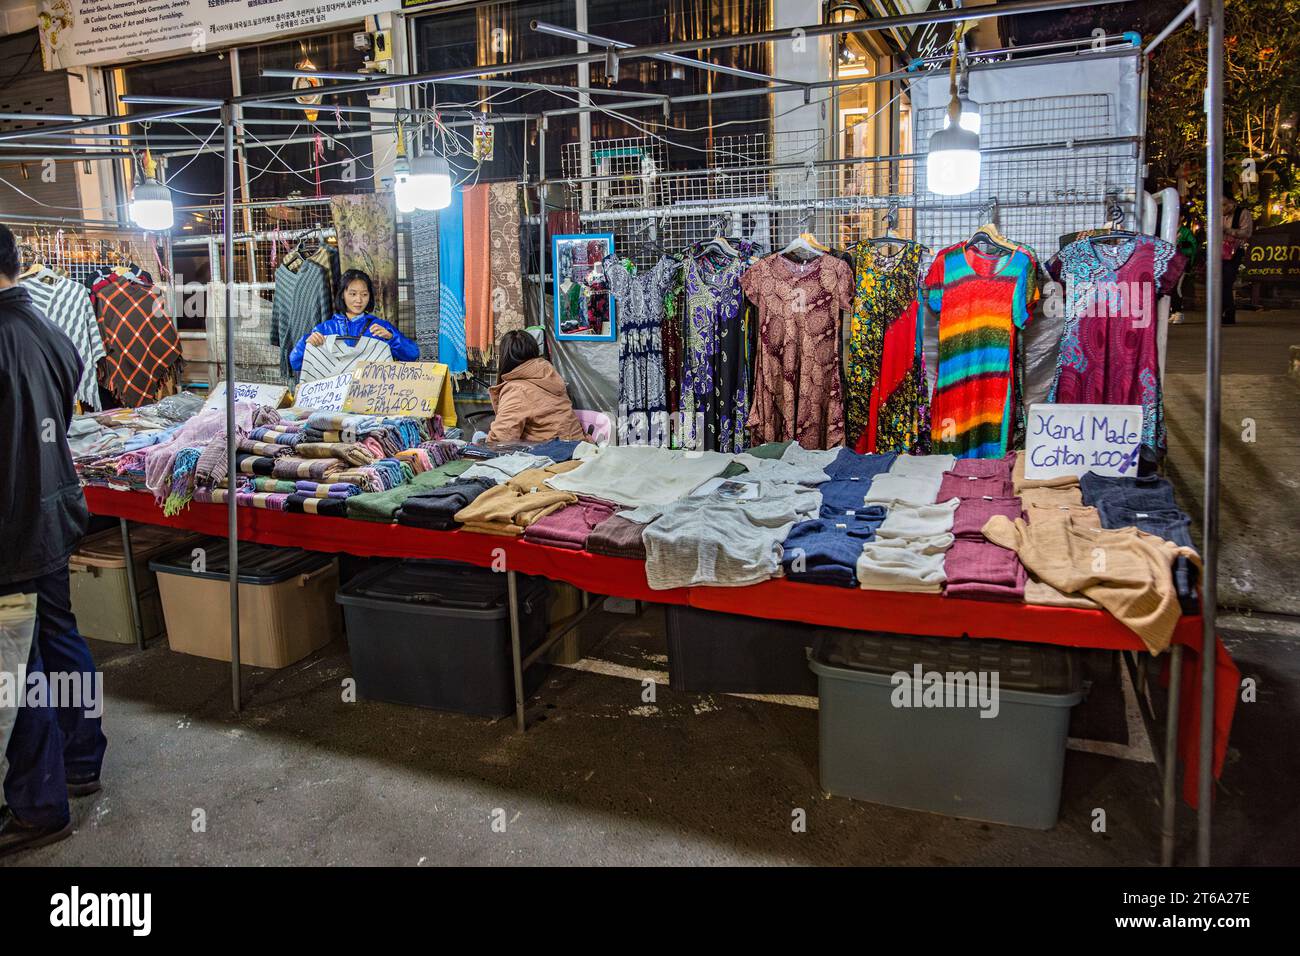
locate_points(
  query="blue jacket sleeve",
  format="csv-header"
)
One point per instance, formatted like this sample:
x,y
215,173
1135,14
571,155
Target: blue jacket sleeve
x,y
403,349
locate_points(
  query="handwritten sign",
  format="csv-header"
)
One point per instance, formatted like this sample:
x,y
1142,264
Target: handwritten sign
x,y
258,392
1073,439
326,394
419,389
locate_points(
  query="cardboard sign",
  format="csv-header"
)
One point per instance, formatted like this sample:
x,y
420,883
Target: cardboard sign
x,y
419,389
324,395
261,393
1073,439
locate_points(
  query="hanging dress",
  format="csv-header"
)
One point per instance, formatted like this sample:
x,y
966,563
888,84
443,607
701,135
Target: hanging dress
x,y
885,290
642,399
797,390
715,370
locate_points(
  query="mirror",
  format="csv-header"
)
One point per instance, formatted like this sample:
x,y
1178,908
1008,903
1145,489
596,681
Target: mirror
x,y
584,308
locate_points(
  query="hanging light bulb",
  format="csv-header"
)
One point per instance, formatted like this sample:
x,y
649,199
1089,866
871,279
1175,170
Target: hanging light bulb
x,y
151,202
430,182
970,114
953,164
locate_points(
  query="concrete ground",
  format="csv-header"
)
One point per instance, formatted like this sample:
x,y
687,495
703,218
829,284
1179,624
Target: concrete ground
x,y
605,777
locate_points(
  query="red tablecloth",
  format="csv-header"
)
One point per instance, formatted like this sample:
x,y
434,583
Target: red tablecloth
x,y
888,611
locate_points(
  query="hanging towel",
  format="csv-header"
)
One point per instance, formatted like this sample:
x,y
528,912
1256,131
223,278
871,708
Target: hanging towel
x,y
451,286
478,276
507,282
424,277
366,228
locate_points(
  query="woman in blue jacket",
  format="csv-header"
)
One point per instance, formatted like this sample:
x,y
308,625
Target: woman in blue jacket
x,y
352,319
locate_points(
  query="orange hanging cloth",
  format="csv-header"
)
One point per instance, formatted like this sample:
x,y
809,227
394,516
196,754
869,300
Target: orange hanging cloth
x,y
478,274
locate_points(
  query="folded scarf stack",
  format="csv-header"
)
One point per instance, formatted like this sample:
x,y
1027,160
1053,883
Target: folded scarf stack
x,y
267,501
292,468
316,489
417,458
308,504
442,450
436,508
267,449
350,453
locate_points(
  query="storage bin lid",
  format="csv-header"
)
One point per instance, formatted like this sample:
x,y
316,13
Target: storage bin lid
x,y
258,563
104,549
435,584
1030,668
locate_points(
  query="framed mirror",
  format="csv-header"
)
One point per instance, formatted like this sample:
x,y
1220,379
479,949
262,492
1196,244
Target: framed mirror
x,y
584,308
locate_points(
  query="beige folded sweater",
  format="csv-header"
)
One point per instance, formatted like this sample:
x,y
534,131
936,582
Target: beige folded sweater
x,y
1020,482
507,510
1127,571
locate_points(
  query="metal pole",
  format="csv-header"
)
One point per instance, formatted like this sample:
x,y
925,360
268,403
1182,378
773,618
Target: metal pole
x,y
541,224
98,121
1210,523
516,650
1169,797
232,469
581,36
811,31
1174,24
128,554
1213,311
1139,187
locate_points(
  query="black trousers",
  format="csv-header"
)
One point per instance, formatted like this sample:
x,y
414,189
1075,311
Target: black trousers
x,y
1229,280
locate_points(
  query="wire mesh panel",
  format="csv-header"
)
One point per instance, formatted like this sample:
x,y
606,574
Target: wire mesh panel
x,y
1038,194
749,186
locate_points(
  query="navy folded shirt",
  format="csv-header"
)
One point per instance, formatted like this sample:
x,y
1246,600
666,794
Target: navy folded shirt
x,y
826,550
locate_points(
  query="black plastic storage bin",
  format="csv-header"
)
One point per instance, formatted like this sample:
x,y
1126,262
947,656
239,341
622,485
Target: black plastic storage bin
x,y
437,634
710,652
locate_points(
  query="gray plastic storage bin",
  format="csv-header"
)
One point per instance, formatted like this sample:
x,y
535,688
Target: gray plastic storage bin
x,y
946,759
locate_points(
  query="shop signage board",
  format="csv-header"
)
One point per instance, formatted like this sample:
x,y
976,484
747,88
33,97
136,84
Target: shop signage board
x,y
1272,257
262,394
1071,439
87,32
421,389
325,394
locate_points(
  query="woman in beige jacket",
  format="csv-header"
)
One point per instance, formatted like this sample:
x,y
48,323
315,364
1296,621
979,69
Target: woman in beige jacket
x,y
531,402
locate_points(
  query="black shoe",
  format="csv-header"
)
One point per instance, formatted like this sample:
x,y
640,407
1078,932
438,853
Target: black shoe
x,y
83,786
16,836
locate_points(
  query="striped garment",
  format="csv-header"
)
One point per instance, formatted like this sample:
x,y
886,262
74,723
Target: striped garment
x,y
301,302
981,301
66,304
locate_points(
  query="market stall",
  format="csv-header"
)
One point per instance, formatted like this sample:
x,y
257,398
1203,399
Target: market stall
x,y
936,361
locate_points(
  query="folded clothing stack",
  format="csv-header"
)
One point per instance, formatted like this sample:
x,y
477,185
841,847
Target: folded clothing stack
x,y
502,467
323,489
974,566
265,500
266,449
826,550
350,453
1147,503
908,551
514,504
442,450
312,505
850,477
571,526
382,505
956,485
436,508
617,537
293,468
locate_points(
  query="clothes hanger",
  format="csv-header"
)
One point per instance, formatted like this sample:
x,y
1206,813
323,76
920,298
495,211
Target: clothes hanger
x,y
988,238
719,241
805,245
890,238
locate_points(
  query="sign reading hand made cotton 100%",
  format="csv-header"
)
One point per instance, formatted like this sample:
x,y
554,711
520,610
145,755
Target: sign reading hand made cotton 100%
x,y
1072,439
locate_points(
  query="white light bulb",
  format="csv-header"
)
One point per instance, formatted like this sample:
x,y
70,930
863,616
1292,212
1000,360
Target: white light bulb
x,y
953,163
151,206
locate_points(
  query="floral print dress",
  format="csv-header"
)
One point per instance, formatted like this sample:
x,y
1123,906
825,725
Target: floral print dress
x,y
797,390
715,362
642,393
1109,348
884,320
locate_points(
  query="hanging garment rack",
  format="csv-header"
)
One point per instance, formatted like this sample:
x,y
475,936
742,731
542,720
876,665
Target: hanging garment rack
x,y
1209,17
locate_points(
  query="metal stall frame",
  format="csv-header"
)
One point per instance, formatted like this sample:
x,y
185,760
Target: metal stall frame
x,y
1209,17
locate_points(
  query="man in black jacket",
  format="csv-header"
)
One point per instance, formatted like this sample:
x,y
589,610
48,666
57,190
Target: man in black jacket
x,y
56,748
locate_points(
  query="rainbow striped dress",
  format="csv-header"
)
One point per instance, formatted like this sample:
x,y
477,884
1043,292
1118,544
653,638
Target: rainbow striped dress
x,y
981,301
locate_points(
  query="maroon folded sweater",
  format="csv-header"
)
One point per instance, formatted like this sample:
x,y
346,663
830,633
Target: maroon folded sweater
x,y
972,513
571,525
973,486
